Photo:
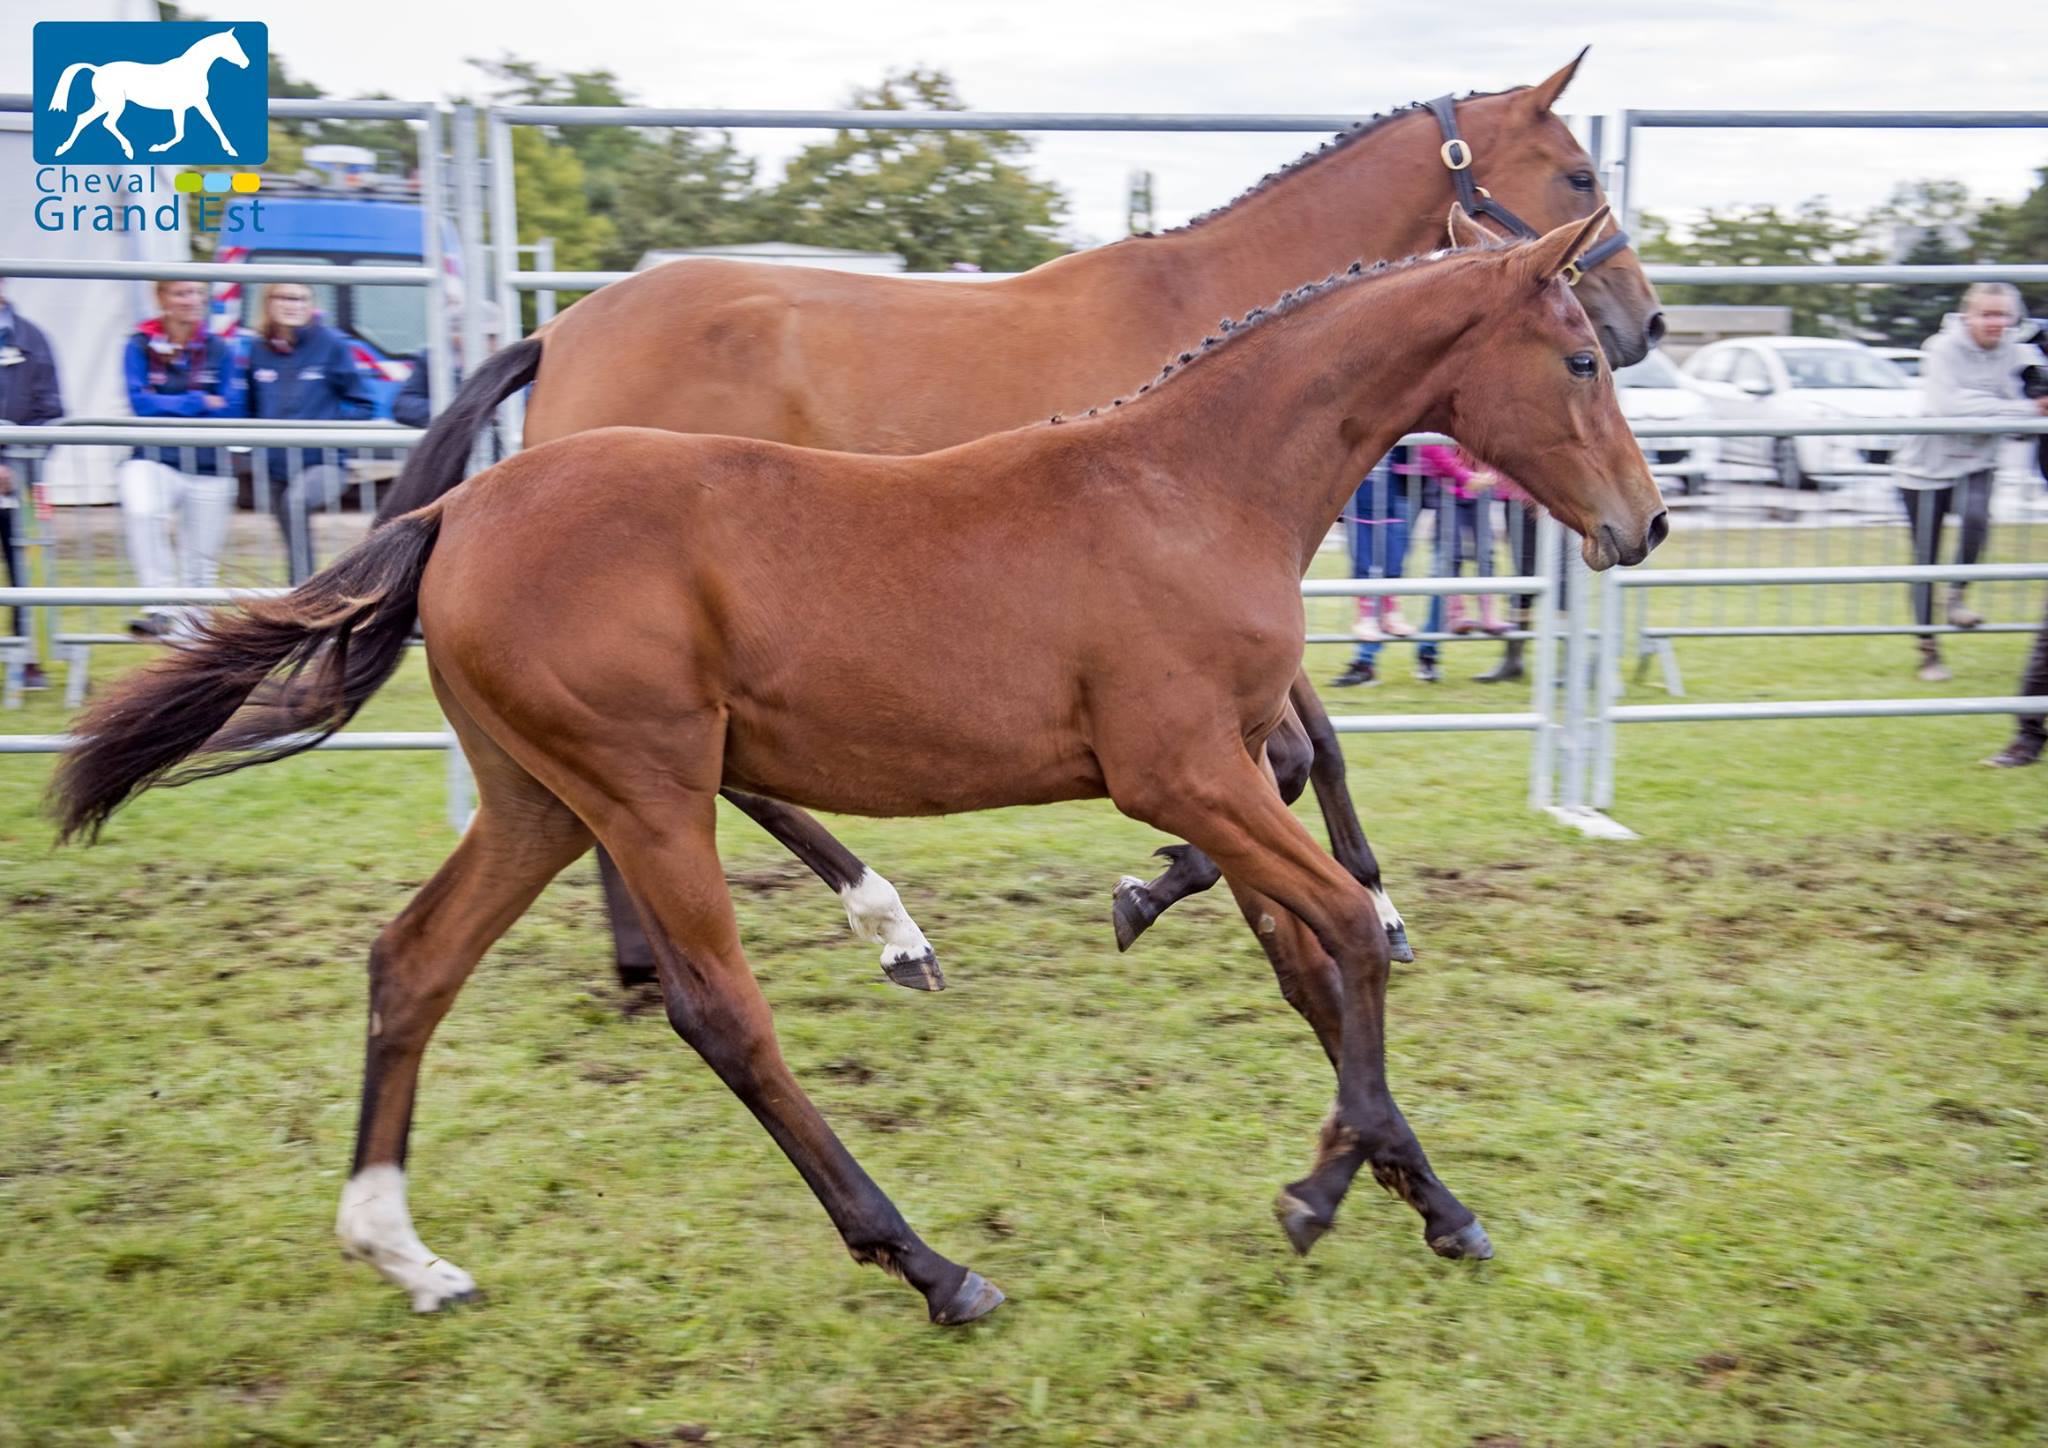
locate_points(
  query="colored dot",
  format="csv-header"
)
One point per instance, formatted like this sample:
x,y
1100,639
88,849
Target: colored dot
x,y
216,180
248,181
185,181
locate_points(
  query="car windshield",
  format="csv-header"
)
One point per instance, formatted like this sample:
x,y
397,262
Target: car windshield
x,y
1826,368
1654,370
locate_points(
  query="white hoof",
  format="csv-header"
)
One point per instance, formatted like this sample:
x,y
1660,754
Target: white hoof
x,y
375,1227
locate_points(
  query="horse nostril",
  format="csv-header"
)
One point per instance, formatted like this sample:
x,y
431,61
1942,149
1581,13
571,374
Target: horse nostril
x,y
1660,528
1653,330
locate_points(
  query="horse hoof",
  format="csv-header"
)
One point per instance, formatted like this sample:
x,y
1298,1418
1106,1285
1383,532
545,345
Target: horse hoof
x,y
431,1302
1131,910
1398,946
915,972
1469,1241
975,1297
1302,1226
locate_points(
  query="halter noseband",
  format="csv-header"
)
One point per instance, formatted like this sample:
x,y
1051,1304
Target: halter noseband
x,y
1456,154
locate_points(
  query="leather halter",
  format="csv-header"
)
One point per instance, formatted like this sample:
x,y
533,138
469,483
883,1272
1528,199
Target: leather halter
x,y
1456,154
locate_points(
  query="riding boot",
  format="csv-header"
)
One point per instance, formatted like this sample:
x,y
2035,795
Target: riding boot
x,y
1509,669
1932,669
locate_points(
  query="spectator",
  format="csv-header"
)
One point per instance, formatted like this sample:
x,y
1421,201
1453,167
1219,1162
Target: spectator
x,y
1379,518
176,368
302,370
1971,369
2032,734
412,407
1468,533
28,396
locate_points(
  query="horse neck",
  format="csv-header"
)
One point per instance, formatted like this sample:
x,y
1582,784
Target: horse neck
x,y
1379,197
1288,419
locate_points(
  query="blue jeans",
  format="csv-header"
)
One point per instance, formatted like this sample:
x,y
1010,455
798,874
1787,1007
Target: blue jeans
x,y
1381,518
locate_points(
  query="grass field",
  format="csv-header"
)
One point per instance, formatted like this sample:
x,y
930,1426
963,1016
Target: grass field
x,y
1756,1110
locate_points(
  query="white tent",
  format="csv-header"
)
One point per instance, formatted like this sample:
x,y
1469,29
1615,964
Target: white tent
x,y
88,322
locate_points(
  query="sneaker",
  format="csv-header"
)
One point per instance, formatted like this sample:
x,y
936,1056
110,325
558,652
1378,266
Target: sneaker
x,y
1960,614
33,678
1395,625
1359,671
1426,670
1934,671
1367,630
151,625
2016,755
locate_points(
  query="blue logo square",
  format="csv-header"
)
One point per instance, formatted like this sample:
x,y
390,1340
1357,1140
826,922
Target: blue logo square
x,y
152,93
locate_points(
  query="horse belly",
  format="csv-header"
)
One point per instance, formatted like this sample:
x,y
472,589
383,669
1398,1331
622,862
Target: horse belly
x,y
938,758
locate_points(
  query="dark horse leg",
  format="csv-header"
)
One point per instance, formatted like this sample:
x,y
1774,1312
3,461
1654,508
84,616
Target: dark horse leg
x,y
874,911
1224,803
1303,749
666,849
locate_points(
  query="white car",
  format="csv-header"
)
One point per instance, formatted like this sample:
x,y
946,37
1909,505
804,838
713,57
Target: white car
x,y
1906,359
1652,390
1802,379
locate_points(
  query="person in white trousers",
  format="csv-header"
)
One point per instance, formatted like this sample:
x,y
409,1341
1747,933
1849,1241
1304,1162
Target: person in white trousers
x,y
176,502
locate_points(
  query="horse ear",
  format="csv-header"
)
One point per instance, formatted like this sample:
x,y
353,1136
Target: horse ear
x,y
1545,94
1554,252
1464,231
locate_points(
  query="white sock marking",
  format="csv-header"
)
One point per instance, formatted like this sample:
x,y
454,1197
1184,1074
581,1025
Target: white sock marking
x,y
875,913
1389,916
375,1227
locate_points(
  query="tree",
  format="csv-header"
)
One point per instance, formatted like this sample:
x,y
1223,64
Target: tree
x,y
1762,235
1926,222
2017,230
693,188
936,197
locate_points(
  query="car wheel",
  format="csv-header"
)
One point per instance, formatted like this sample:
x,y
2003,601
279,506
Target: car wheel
x,y
1785,455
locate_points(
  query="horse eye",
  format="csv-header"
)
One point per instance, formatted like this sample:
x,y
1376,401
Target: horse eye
x,y
1582,181
1583,364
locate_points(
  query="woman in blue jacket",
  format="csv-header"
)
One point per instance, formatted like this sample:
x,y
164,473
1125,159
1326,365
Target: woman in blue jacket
x,y
176,368
302,370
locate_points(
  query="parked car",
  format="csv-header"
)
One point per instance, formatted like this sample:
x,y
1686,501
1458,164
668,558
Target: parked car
x,y
1906,359
1801,379
1653,390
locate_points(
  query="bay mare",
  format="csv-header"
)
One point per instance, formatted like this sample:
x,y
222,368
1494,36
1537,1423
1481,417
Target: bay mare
x,y
1110,606
878,364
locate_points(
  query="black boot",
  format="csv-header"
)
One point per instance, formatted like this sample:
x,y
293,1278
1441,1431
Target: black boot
x,y
1508,669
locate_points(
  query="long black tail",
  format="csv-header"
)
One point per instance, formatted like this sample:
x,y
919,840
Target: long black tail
x,y
316,654
437,464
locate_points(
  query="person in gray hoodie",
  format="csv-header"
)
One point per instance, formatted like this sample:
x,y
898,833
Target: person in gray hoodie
x,y
1971,369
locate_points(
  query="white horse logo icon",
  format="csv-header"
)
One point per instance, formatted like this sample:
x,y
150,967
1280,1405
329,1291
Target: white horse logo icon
x,y
178,85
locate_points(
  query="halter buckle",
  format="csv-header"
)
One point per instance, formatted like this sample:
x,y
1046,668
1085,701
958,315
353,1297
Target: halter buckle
x,y
1457,155
1572,273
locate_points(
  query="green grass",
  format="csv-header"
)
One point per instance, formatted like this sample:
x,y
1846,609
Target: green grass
x,y
1756,1110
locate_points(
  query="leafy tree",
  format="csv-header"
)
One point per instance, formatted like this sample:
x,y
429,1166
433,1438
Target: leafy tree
x,y
936,197
692,188
1930,216
2016,230
1763,235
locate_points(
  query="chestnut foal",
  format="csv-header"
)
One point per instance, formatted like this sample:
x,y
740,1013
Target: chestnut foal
x,y
1110,606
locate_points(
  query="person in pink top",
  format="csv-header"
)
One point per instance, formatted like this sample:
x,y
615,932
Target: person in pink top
x,y
1464,529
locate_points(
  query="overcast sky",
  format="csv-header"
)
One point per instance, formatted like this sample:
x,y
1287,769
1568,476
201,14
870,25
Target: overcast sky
x,y
1272,56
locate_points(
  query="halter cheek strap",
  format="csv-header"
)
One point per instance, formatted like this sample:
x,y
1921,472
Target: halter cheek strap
x,y
1456,154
